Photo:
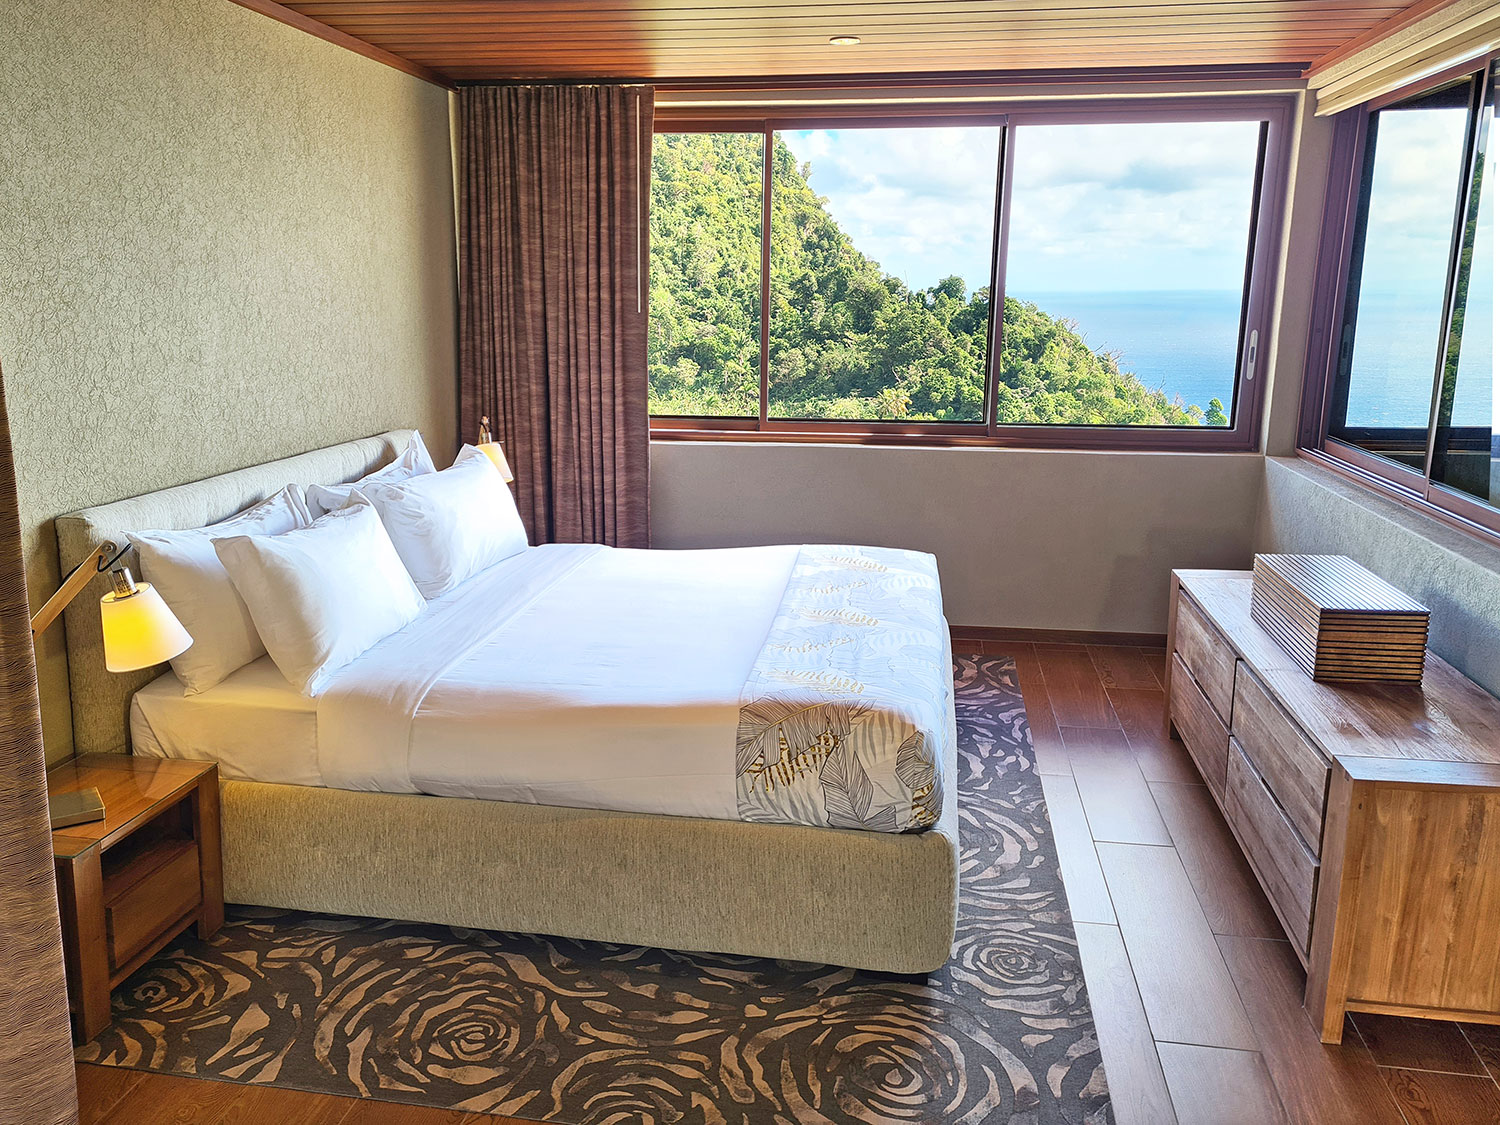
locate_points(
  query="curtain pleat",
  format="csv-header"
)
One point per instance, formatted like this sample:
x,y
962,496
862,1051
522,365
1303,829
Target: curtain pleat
x,y
36,1051
552,341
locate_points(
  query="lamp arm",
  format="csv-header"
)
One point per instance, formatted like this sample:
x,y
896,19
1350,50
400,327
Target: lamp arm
x,y
105,555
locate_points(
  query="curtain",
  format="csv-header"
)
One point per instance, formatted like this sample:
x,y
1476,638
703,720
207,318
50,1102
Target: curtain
x,y
553,184
36,1048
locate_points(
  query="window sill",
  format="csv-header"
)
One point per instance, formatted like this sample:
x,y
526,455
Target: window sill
x,y
1399,494
1101,439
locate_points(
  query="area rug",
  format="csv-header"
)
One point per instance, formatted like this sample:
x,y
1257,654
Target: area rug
x,y
588,1033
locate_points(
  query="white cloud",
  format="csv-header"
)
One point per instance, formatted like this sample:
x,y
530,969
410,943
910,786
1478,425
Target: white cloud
x,y
1149,206
919,201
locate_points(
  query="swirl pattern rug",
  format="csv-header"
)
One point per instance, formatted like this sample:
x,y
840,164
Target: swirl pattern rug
x,y
594,1034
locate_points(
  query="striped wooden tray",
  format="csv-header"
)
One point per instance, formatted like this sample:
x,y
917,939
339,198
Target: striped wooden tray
x,y
1337,620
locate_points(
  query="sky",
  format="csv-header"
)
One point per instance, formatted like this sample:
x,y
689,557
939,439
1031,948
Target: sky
x,y
1094,207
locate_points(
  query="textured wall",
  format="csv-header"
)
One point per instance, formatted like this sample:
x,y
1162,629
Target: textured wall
x,y
221,241
1046,539
1307,508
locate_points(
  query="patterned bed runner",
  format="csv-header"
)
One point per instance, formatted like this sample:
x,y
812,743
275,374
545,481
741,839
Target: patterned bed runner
x,y
844,720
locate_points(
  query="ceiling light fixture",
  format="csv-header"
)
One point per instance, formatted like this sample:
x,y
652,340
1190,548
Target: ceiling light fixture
x,y
845,40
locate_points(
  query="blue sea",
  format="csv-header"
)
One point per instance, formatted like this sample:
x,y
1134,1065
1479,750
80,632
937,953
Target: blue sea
x,y
1185,343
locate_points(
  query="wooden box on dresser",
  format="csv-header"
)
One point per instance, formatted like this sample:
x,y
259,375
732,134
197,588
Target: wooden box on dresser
x,y
1369,812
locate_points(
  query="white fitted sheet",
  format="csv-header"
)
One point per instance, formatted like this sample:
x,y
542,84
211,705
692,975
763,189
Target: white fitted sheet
x,y
254,724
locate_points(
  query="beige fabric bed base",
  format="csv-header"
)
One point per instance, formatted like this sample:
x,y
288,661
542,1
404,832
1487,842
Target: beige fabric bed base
x,y
868,900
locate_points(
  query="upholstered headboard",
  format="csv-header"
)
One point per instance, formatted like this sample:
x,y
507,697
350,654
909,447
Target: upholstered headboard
x,y
101,699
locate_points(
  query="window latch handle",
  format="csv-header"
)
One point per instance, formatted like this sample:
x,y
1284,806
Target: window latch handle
x,y
1250,351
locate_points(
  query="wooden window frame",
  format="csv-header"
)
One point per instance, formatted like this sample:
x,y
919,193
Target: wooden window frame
x,y
1275,111
1348,159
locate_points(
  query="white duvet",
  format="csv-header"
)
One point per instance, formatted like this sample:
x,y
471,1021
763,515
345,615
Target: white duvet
x,y
668,682
567,675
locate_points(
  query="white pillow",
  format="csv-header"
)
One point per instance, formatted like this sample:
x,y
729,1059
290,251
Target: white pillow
x,y
322,595
186,572
325,498
449,526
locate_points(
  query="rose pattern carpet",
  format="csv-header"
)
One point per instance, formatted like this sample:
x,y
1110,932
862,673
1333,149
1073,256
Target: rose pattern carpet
x,y
595,1034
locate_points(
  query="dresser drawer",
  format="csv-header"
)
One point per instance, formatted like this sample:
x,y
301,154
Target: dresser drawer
x,y
142,910
1286,869
1208,655
1291,766
1206,738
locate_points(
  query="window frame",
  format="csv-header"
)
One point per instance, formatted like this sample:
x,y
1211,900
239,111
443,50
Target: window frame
x,y
1275,111
1349,161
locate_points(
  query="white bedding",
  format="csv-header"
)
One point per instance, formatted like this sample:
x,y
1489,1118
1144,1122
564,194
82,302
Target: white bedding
x,y
590,677
567,675
614,682
253,723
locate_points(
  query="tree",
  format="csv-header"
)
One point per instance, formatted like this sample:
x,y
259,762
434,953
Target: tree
x,y
847,340
1215,415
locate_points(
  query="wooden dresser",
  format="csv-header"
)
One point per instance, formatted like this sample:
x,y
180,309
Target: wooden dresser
x,y
1369,812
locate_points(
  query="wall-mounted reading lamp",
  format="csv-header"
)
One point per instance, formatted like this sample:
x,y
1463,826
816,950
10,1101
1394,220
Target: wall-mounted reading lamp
x,y
139,629
491,449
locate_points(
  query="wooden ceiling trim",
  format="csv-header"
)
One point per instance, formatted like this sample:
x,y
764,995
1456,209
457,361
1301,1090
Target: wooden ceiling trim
x,y
870,17
286,15
657,40
1393,24
1224,9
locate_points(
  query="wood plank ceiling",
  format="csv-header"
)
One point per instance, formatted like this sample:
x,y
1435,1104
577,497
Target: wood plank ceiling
x,y
657,39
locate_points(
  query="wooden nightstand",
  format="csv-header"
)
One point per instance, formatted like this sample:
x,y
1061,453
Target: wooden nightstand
x,y
130,883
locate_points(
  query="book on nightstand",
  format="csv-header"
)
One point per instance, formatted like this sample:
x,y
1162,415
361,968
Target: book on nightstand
x,y
81,807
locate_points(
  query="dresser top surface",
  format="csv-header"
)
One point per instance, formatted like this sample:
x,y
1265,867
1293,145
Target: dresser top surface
x,y
1447,718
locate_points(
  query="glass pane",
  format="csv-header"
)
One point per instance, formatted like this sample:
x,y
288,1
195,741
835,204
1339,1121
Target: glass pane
x,y
703,342
1467,453
1393,317
1125,279
881,248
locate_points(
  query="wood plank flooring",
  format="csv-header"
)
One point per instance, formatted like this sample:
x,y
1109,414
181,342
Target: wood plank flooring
x,y
1196,994
109,1095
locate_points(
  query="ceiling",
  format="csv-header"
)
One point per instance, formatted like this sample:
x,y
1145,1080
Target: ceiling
x,y
657,39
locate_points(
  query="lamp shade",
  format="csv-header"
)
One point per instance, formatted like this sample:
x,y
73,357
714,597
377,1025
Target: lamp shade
x,y
492,450
139,630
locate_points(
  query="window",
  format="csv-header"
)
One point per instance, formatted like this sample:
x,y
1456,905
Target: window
x,y
1411,385
1130,252
703,338
1127,252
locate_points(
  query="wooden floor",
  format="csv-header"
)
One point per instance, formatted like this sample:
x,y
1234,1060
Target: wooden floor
x,y
1196,994
109,1094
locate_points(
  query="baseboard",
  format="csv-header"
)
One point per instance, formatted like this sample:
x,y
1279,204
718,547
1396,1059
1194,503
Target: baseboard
x,y
1057,636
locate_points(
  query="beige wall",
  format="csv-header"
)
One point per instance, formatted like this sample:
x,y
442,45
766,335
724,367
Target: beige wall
x,y
221,241
1024,538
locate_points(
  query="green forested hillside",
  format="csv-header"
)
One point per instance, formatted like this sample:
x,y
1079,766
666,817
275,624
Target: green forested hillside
x,y
847,340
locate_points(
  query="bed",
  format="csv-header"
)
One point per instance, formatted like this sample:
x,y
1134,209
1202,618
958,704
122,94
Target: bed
x,y
572,744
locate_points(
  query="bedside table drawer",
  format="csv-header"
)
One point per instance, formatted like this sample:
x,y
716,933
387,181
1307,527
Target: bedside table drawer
x,y
146,904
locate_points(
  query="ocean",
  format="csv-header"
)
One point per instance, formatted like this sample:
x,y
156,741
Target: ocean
x,y
1184,343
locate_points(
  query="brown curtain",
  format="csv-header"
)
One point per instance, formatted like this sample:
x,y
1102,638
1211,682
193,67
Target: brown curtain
x,y
553,192
36,1049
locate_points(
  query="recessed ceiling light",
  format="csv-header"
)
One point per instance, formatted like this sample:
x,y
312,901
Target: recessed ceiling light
x,y
845,40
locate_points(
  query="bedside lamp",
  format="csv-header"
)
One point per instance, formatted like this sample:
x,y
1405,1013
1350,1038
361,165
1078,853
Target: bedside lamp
x,y
139,628
491,449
